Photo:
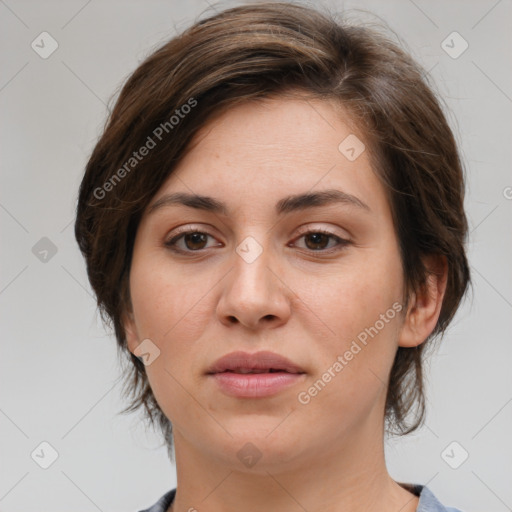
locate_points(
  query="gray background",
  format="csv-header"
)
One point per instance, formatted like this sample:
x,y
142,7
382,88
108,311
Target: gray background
x,y
59,370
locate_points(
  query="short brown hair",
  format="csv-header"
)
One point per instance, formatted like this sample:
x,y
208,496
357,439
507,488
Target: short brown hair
x,y
256,51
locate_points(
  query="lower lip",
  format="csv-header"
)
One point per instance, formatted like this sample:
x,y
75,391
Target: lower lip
x,y
255,385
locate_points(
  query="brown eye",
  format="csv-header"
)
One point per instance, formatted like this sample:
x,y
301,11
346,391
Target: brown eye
x,y
318,240
189,241
195,240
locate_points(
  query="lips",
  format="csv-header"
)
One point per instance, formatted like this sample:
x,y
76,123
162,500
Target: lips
x,y
259,362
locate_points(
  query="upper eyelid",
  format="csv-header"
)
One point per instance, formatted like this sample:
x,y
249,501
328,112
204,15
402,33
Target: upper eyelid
x,y
307,230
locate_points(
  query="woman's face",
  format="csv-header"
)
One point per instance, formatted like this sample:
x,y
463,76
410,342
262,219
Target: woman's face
x,y
317,282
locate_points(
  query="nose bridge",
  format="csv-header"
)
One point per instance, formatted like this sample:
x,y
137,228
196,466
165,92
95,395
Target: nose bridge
x,y
253,291
251,272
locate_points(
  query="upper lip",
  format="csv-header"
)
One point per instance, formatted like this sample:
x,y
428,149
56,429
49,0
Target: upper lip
x,y
257,361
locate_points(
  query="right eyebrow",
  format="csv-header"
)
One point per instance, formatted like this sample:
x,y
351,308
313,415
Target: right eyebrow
x,y
196,201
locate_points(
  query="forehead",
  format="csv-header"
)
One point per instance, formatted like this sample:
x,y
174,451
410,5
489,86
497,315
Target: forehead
x,y
275,147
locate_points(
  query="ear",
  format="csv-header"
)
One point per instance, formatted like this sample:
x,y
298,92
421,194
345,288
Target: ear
x,y
130,330
425,305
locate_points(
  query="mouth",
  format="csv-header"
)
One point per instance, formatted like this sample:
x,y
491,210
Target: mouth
x,y
259,362
263,374
246,371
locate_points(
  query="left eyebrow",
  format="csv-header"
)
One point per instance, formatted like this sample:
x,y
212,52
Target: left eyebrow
x,y
322,198
288,204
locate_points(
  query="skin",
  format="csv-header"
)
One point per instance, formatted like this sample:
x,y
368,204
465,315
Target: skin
x,y
301,298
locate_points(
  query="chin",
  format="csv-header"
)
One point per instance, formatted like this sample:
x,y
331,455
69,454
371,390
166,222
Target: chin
x,y
258,450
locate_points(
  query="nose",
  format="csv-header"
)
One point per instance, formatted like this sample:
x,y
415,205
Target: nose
x,y
254,295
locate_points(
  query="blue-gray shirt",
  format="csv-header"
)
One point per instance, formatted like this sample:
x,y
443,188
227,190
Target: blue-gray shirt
x,y
428,502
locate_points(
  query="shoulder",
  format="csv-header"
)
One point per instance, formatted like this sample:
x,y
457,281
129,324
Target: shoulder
x,y
163,503
428,501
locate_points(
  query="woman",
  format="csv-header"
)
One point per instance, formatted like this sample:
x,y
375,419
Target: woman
x,y
273,222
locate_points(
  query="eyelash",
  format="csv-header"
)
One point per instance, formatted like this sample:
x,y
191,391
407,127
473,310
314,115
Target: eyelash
x,y
341,242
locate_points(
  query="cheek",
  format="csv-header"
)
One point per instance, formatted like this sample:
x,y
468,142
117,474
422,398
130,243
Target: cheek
x,y
172,310
354,364
361,309
168,304
355,296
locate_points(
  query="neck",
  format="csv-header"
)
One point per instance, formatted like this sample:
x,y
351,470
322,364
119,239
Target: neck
x,y
348,476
